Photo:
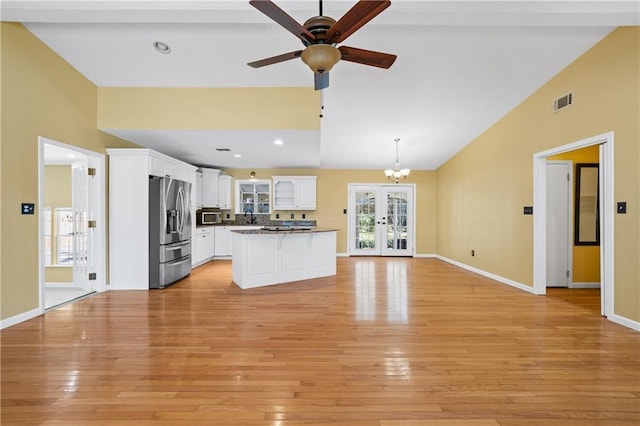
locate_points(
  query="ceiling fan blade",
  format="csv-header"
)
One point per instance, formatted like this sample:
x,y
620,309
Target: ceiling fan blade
x,y
361,13
281,17
367,57
320,80
275,59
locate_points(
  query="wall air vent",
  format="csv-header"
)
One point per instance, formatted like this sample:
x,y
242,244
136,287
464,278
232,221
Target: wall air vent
x,y
562,102
223,149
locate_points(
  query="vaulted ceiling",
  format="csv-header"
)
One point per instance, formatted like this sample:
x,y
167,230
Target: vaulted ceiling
x,y
461,66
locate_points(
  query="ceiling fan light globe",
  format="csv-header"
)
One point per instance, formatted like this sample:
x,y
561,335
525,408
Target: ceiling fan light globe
x,y
388,173
321,57
405,172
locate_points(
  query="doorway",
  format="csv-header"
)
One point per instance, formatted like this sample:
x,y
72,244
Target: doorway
x,y
71,223
381,220
605,194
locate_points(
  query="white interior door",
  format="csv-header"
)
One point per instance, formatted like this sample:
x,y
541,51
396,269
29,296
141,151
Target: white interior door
x,y
82,233
381,220
559,256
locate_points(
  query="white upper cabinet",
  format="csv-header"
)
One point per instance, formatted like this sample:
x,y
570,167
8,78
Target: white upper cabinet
x,y
224,192
253,196
210,187
294,192
196,196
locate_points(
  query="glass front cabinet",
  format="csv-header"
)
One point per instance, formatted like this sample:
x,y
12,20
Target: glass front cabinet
x,y
253,196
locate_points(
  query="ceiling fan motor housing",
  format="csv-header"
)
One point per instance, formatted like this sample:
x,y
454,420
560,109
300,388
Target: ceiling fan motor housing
x,y
318,26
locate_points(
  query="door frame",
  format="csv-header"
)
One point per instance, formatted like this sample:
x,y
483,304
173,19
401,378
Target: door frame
x,y
96,160
569,165
412,223
607,210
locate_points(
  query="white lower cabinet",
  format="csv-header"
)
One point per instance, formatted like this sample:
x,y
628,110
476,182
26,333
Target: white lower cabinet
x,y
223,243
203,247
275,258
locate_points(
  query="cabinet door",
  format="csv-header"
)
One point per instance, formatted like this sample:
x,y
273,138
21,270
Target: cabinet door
x,y
200,246
198,195
224,192
306,194
210,188
221,241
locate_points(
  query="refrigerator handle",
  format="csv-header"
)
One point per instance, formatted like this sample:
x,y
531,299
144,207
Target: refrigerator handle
x,y
180,208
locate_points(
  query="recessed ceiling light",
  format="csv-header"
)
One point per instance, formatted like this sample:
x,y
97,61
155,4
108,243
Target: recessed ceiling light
x,y
237,155
278,142
162,47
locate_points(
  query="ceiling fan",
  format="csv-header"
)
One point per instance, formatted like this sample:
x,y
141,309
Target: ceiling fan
x,y
320,34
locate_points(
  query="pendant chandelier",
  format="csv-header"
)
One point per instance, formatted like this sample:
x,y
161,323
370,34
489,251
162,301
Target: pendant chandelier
x,y
397,173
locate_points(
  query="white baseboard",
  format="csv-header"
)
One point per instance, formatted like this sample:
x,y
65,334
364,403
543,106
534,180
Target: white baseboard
x,y
634,325
8,322
584,285
495,277
426,255
342,254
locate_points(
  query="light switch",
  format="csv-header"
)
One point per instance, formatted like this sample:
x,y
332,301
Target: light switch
x,y
622,207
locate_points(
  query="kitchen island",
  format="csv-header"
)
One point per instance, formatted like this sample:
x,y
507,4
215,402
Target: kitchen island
x,y
276,255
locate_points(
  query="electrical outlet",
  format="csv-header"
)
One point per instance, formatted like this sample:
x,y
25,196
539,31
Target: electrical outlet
x,y
293,216
622,207
344,211
277,215
304,216
473,253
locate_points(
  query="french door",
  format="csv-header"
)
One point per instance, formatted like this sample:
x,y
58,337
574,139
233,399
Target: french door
x,y
381,220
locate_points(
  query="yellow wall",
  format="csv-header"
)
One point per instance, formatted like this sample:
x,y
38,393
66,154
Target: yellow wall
x,y
586,259
332,199
57,193
294,108
42,95
482,190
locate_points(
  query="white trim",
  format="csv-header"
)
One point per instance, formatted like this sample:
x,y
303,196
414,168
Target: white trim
x,y
494,277
53,284
342,254
16,319
96,160
634,325
426,255
584,285
605,140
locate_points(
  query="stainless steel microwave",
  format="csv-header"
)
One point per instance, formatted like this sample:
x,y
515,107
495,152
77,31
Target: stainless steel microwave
x,y
204,217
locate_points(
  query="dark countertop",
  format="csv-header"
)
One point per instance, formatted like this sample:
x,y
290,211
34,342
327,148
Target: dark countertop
x,y
282,230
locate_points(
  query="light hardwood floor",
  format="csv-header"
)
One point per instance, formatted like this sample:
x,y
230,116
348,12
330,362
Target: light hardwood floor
x,y
386,342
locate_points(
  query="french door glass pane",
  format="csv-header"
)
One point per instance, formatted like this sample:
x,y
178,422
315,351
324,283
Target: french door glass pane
x,y
365,219
397,220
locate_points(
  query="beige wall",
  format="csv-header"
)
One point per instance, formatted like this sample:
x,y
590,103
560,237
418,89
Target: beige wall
x,y
57,194
42,95
586,259
332,196
482,190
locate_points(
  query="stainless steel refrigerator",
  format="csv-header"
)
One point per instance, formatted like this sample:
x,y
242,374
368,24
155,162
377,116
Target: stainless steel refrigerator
x,y
169,231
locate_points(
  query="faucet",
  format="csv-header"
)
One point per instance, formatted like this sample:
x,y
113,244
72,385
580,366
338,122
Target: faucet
x,y
253,219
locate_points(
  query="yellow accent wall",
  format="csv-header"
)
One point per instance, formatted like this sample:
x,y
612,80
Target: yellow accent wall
x,y
481,191
332,199
293,108
42,95
586,259
57,194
